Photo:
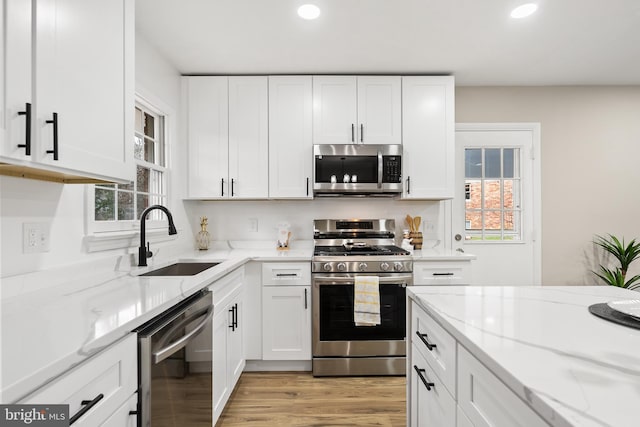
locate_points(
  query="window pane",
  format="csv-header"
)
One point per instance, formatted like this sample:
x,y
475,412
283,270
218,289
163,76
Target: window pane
x,y
473,220
149,150
105,206
511,194
513,230
127,187
138,147
157,183
492,220
492,163
143,203
139,120
473,163
149,125
125,205
142,179
508,223
508,161
492,194
475,194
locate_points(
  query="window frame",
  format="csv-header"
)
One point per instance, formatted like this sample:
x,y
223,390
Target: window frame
x,y
104,235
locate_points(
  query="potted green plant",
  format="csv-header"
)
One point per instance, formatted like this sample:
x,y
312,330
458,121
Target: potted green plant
x,y
625,254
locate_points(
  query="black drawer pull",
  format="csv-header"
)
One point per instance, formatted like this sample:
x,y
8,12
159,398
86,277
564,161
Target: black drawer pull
x,y
423,338
443,274
86,406
427,384
27,129
232,325
286,274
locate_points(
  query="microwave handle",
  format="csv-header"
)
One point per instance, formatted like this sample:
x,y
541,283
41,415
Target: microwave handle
x,y
379,169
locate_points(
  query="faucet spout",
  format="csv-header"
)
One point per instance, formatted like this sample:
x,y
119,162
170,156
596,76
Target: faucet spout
x,y
142,250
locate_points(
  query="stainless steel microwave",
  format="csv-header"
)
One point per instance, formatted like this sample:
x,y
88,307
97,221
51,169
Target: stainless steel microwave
x,y
357,170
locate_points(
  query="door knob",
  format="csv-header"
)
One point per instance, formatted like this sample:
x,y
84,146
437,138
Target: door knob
x,y
457,237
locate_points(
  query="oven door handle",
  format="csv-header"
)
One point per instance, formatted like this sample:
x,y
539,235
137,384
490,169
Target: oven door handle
x,y
163,353
402,280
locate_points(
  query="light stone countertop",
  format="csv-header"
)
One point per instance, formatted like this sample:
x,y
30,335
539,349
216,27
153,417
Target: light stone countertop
x,y
573,368
53,320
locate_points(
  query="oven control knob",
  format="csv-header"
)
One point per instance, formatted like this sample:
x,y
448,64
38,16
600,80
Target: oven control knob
x,y
326,266
397,266
341,266
384,266
362,266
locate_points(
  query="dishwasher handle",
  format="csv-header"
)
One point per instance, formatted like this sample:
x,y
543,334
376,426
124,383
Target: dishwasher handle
x,y
166,351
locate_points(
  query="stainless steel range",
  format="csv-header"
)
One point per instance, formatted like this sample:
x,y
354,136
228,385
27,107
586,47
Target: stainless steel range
x,y
344,250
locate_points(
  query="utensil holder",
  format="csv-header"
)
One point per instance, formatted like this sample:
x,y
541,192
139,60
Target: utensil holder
x,y
416,239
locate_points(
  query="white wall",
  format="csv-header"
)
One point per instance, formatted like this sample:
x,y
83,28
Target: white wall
x,y
63,206
590,144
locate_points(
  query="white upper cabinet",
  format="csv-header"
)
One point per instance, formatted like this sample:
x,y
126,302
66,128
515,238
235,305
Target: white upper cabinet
x,y
428,137
290,137
357,109
80,87
208,136
248,137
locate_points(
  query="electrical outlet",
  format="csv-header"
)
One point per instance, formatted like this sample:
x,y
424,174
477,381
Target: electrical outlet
x,y
253,225
35,237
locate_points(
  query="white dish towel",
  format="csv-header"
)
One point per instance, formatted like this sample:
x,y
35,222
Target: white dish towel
x,y
366,301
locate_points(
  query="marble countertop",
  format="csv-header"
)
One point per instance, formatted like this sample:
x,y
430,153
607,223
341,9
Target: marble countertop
x,y
574,369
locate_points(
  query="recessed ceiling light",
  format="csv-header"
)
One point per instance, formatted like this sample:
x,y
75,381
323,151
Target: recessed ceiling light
x,y
309,11
524,10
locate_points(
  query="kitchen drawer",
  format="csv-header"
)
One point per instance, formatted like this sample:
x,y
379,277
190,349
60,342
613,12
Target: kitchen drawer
x,y
286,273
227,287
441,356
486,401
433,406
442,273
111,373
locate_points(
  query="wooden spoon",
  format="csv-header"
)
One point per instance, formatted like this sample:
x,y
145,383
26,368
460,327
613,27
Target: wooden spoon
x,y
416,223
410,222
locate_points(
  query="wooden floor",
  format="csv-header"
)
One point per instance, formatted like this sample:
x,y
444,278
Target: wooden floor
x,y
270,399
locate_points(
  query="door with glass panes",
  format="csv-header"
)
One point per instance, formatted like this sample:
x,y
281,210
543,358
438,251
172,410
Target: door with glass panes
x,y
496,210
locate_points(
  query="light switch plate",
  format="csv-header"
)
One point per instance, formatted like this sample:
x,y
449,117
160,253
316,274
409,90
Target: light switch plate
x,y
35,237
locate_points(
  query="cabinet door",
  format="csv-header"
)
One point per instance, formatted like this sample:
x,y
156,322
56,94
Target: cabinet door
x,y
84,84
123,416
221,388
431,406
379,110
334,109
428,137
235,343
16,81
248,137
286,326
290,137
208,136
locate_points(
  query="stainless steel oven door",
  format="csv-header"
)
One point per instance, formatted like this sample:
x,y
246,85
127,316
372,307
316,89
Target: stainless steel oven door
x,y
334,331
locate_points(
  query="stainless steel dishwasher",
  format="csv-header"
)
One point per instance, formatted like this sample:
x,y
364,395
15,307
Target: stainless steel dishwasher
x,y
175,365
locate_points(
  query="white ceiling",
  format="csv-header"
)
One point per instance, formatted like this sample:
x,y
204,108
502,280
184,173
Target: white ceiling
x,y
566,42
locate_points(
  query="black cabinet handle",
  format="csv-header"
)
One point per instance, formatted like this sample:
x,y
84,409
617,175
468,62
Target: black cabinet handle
x,y
307,186
27,129
305,299
286,274
222,187
408,185
442,274
54,122
232,183
423,338
353,130
427,384
235,320
233,323
86,406
361,132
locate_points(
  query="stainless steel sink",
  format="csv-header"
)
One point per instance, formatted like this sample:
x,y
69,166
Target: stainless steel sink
x,y
182,269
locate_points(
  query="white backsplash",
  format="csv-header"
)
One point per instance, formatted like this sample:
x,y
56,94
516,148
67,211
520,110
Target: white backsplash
x,y
233,220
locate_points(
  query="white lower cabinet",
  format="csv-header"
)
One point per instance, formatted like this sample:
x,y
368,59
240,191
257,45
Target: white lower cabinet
x,y
125,415
431,403
228,348
464,393
286,311
106,382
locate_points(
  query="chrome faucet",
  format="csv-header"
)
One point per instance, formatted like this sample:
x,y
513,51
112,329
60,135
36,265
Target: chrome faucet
x,y
143,251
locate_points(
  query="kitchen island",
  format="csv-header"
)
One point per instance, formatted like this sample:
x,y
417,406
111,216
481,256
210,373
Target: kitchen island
x,y
522,356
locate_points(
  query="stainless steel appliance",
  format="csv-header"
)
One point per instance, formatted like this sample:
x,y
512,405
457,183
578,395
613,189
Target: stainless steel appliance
x,y
357,170
175,387
345,249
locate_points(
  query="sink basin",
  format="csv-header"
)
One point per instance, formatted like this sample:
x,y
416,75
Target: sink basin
x,y
182,269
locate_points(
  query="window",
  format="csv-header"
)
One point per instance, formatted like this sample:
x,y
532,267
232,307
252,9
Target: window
x,y
118,206
492,194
